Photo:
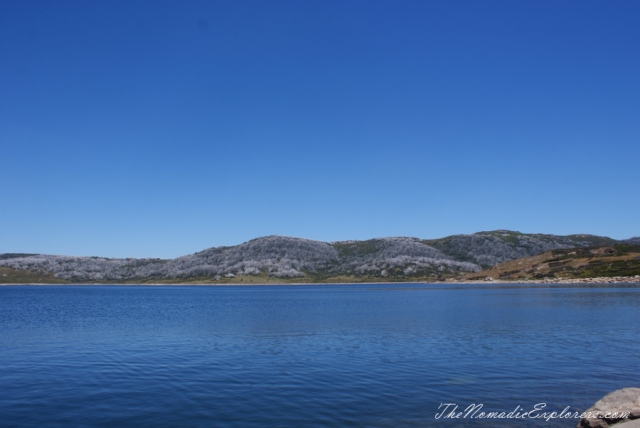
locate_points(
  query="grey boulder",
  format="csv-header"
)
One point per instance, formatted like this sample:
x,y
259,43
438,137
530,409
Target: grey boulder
x,y
622,400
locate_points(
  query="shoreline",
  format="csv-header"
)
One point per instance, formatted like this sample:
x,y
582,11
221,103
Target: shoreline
x,y
597,280
559,281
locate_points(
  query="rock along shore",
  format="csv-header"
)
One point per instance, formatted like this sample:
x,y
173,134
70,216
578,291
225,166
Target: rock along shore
x,y
623,400
599,280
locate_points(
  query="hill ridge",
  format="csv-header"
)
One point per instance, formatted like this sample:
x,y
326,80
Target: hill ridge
x,y
285,257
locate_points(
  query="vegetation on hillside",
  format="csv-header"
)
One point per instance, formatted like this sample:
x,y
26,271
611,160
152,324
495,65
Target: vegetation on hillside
x,y
610,261
284,259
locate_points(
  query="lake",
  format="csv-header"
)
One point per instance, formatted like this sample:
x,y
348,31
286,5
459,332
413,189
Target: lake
x,y
314,356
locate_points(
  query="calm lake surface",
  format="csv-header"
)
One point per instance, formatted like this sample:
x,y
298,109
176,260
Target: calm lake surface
x,y
309,356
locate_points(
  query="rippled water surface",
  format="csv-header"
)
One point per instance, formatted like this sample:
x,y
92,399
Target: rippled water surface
x,y
312,356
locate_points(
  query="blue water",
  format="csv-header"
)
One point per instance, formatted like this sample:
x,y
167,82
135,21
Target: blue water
x,y
312,356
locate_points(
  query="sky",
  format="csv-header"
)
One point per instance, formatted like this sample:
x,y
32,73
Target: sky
x,y
161,128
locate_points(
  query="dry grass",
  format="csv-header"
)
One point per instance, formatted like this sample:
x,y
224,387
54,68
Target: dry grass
x,y
616,260
13,276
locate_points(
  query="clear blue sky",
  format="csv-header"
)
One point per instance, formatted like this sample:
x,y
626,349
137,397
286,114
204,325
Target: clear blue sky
x,y
160,128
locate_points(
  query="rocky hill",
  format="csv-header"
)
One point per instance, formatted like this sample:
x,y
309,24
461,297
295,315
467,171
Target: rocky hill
x,y
618,260
488,249
278,258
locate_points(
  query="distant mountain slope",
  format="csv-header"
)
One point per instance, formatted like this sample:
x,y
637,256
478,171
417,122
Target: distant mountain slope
x,y
84,268
395,257
279,256
400,258
593,262
490,248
